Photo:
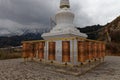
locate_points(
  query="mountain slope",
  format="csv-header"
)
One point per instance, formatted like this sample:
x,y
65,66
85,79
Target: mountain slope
x,y
111,34
109,29
91,31
16,40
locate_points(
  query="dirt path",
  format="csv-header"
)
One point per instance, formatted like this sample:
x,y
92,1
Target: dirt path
x,y
15,69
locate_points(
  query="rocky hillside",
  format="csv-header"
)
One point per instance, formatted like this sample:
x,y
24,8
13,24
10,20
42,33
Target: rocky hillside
x,y
111,34
109,30
91,31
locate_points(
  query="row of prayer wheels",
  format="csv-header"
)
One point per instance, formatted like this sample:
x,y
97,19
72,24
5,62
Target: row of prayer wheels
x,y
30,50
90,51
86,50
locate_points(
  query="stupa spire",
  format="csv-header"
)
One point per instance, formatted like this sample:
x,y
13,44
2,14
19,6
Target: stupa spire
x,y
64,3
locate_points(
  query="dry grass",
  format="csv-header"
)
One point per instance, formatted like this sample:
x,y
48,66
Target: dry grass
x,y
9,53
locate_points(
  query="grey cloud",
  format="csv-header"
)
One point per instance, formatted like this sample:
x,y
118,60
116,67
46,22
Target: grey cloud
x,y
18,16
8,28
26,11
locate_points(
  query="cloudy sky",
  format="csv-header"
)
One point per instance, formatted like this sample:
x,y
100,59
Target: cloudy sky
x,y
17,16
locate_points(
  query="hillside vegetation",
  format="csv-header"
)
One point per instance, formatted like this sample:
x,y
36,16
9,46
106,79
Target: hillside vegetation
x,y
10,53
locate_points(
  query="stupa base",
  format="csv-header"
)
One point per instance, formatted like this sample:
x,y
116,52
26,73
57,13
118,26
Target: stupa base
x,y
48,36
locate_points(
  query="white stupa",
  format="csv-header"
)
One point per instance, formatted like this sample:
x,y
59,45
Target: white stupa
x,y
64,20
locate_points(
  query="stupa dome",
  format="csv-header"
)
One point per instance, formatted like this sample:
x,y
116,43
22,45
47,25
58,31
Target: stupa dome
x,y
64,16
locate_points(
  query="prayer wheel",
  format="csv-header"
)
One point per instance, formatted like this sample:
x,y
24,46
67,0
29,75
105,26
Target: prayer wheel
x,y
103,50
81,50
35,50
65,51
90,50
52,49
98,50
86,52
41,50
95,50
24,48
31,50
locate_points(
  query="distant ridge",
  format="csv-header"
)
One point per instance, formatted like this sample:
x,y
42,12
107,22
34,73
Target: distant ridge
x,y
95,32
7,41
16,40
91,31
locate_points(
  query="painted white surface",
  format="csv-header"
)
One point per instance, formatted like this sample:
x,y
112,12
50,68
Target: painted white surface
x,y
65,27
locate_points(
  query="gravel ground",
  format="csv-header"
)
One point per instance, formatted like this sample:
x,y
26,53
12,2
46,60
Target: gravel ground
x,y
16,69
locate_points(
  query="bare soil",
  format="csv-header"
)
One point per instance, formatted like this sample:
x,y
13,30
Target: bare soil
x,y
16,69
